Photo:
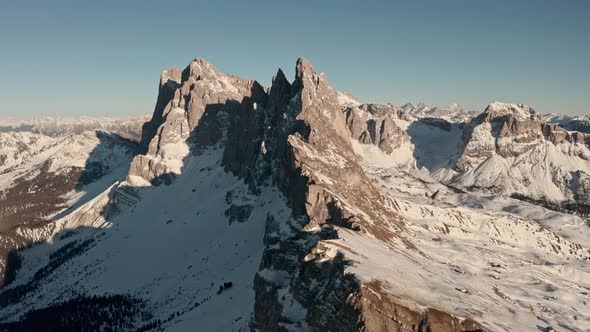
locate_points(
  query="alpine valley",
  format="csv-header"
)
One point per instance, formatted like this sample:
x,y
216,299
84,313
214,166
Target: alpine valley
x,y
240,207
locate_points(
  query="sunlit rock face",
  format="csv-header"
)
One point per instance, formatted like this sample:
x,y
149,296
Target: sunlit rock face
x,y
510,148
374,124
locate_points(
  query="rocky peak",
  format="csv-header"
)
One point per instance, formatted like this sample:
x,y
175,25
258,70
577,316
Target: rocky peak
x,y
519,112
511,120
512,133
280,90
305,71
200,68
308,80
375,124
174,75
508,120
198,100
280,79
170,80
320,108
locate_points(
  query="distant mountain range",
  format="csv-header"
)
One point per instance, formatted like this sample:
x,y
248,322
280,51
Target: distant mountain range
x,y
63,126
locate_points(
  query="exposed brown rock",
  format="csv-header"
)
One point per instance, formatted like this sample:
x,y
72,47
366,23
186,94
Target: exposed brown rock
x,y
380,312
195,101
375,125
324,180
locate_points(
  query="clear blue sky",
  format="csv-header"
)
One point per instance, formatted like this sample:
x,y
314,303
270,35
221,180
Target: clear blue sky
x,y
104,57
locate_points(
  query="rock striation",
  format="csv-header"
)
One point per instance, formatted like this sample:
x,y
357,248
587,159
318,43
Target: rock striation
x,y
189,100
375,124
519,147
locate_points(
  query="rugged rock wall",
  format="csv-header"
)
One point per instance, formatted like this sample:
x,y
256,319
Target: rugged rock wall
x,y
190,105
296,137
510,130
337,194
510,147
374,124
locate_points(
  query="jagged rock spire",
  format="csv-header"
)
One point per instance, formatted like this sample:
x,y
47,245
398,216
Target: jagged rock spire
x,y
319,103
304,69
187,109
280,78
200,68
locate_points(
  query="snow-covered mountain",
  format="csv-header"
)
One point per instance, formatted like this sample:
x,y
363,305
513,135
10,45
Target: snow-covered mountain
x,y
452,113
510,149
568,122
54,127
296,208
45,177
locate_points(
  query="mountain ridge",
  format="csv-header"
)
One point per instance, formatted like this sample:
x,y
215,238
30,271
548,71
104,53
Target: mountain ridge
x,y
338,214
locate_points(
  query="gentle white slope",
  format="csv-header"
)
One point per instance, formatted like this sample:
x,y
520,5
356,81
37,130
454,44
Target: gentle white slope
x,y
172,248
508,264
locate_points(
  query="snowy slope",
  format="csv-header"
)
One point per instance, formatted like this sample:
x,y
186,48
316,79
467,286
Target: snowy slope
x,y
44,178
24,154
173,248
452,113
508,149
573,123
512,265
62,126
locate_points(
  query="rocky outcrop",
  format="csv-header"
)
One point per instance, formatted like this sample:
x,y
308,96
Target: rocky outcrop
x,y
374,124
514,128
377,308
505,129
169,81
194,105
327,190
512,147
